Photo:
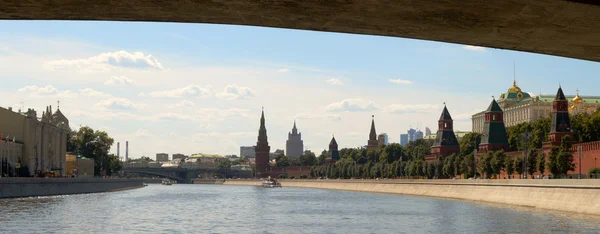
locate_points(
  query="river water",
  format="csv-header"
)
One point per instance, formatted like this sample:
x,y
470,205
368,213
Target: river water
x,y
241,209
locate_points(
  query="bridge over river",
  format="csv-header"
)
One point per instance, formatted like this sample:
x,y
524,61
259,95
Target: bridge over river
x,y
182,175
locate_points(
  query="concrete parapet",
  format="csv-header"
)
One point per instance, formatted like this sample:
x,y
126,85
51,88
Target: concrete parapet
x,y
579,196
28,187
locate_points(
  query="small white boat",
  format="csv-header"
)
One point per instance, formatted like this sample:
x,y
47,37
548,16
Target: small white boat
x,y
144,184
166,182
271,183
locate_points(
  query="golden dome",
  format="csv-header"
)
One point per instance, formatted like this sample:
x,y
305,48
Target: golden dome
x,y
514,87
577,99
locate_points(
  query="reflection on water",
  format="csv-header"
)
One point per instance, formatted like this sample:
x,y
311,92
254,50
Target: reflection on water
x,y
239,209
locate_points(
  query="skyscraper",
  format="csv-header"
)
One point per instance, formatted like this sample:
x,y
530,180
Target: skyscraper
x,y
427,131
294,145
411,134
262,149
403,139
382,139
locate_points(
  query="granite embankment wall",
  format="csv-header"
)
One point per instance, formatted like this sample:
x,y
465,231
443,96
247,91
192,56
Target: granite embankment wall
x,y
580,196
27,187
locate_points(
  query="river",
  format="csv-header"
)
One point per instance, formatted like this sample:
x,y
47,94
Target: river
x,y
185,208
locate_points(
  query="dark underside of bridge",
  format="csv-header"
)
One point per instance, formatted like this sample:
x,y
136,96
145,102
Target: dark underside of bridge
x,y
569,28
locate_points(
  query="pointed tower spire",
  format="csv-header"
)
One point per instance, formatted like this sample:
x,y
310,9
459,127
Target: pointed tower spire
x,y
372,142
262,149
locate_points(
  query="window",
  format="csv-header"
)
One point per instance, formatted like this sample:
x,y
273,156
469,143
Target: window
x,y
493,117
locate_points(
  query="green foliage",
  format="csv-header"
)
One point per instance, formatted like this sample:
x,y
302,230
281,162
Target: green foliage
x,y
307,159
538,131
95,145
323,157
518,165
560,158
469,143
282,161
540,162
594,171
531,162
509,166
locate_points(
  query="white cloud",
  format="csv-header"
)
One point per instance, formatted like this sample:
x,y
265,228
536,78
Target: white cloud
x,y
92,93
118,104
334,81
465,115
474,48
119,80
319,116
351,105
400,81
283,70
188,91
45,91
186,104
104,61
233,92
174,117
34,89
412,108
142,133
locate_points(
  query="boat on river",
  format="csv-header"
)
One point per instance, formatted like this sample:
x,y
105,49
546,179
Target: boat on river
x,y
167,182
271,183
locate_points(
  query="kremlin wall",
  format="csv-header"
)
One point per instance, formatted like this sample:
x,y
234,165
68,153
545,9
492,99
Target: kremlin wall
x,y
491,125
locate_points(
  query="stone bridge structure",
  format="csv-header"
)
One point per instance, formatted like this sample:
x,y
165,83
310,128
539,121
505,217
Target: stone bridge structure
x,y
181,175
568,28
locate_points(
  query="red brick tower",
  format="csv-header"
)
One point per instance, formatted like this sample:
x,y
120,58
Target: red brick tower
x,y
445,140
262,149
561,123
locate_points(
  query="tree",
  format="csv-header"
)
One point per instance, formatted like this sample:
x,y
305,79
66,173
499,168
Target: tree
x,y
518,165
391,153
323,157
484,164
115,165
565,156
282,161
307,159
509,166
531,162
497,162
95,145
540,163
469,143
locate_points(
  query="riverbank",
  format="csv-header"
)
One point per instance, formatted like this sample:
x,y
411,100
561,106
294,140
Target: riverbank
x,y
579,196
28,187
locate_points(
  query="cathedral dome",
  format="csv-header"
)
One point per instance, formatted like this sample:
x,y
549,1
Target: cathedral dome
x,y
577,99
514,88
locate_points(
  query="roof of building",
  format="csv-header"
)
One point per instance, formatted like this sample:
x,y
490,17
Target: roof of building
x,y
445,114
201,155
494,107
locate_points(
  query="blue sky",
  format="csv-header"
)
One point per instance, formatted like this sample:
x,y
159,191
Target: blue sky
x,y
171,87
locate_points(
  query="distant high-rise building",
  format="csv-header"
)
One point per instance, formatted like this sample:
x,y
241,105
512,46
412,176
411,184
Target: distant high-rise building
x,y
294,145
411,134
162,157
382,139
179,156
427,131
307,152
403,139
418,135
247,152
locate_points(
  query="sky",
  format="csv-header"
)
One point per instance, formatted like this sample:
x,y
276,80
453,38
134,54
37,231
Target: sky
x,y
199,88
